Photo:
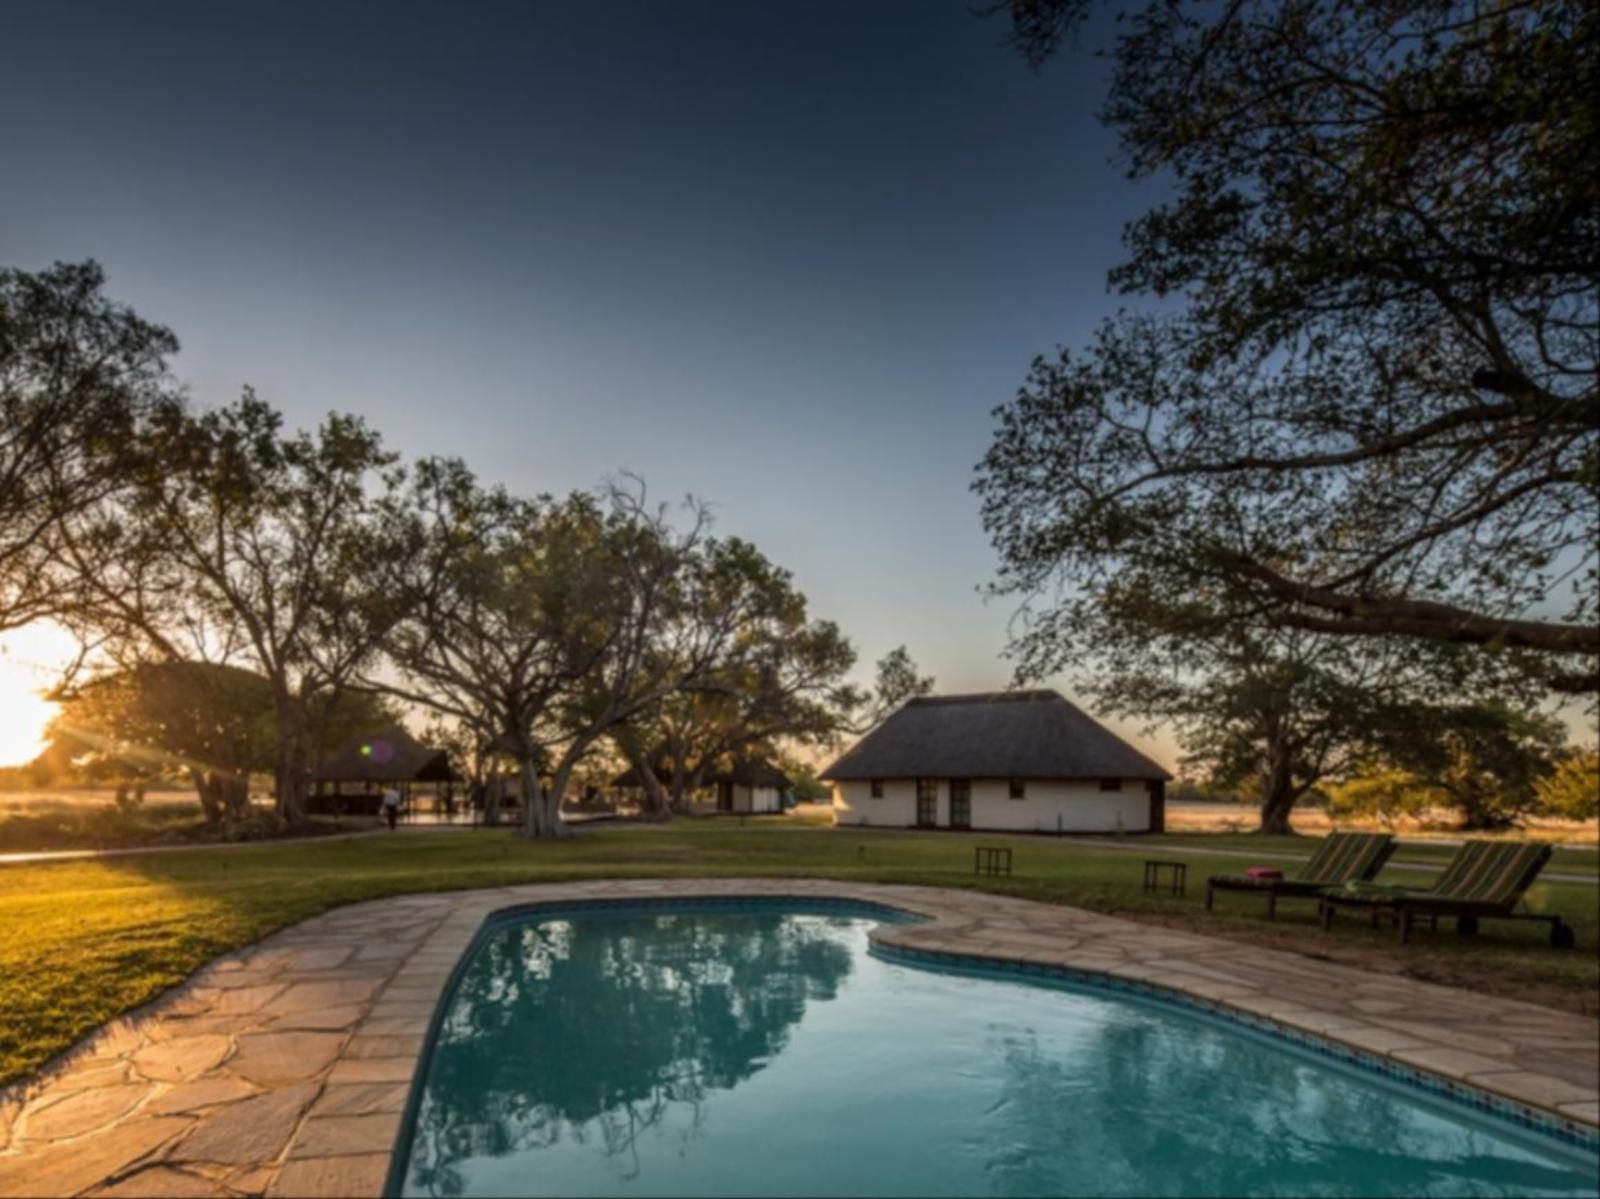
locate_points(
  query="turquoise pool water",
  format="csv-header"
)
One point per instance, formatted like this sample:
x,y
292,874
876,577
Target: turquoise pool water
x,y
765,1052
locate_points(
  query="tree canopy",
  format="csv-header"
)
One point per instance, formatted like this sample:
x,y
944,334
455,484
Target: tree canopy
x,y
1365,404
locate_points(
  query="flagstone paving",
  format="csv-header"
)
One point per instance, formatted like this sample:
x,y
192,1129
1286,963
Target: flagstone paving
x,y
282,1069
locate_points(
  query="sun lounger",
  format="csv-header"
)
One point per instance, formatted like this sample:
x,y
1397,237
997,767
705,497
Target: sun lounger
x,y
1340,858
1485,880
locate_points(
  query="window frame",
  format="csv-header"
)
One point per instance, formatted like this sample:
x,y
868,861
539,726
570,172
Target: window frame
x,y
874,788
1017,788
1109,785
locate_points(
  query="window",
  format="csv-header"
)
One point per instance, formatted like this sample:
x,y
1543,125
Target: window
x,y
1111,784
876,786
1019,789
927,802
960,803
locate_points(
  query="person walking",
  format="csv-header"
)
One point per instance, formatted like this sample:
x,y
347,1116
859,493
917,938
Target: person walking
x,y
391,807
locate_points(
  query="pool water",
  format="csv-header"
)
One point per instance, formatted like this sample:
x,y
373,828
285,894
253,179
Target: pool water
x,y
758,1051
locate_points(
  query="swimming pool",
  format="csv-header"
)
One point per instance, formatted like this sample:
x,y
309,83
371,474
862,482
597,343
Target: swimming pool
x,y
737,1049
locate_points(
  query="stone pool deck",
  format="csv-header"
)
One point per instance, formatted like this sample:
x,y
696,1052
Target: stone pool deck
x,y
282,1069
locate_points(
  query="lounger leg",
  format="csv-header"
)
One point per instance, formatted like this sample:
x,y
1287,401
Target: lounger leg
x,y
1272,904
1403,917
1561,935
1208,897
1327,915
1466,926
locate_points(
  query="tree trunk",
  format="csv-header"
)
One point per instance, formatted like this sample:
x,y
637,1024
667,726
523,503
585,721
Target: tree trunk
x,y
655,799
235,791
1278,793
206,787
290,785
541,808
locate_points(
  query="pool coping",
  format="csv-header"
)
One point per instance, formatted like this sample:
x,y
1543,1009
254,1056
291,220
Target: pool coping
x,y
330,1080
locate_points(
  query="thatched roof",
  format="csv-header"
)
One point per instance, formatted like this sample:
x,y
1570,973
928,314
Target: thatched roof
x,y
390,755
1001,734
741,772
751,774
632,778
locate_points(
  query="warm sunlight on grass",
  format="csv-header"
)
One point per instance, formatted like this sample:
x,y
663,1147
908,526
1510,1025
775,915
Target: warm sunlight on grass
x,y
86,941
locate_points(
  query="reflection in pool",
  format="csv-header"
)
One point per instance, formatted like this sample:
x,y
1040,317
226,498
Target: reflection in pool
x,y
748,1051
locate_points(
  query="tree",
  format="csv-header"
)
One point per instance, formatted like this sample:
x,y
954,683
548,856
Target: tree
x,y
895,682
1373,410
1572,790
778,678
672,615
542,625
1487,759
213,723
807,787
1386,793
79,377
242,544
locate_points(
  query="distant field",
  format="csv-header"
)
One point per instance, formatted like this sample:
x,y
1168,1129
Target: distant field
x,y
1189,817
19,803
88,818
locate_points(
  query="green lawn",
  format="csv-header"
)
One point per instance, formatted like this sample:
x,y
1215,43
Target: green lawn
x,y
85,941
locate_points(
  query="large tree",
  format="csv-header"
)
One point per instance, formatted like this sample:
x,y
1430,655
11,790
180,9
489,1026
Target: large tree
x,y
779,677
505,609
247,545
80,375
214,724
1368,405
544,625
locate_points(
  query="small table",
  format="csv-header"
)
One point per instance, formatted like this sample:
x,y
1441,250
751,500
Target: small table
x,y
1178,871
989,859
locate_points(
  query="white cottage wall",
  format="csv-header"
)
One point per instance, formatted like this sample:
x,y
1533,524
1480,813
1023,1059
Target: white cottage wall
x,y
1049,806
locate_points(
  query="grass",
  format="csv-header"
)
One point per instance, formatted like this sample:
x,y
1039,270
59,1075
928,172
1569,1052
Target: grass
x,y
87,940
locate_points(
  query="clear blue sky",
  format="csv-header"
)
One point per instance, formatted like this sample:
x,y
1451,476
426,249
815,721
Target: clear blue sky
x,y
786,257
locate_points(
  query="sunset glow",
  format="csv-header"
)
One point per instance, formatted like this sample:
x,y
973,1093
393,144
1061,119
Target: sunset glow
x,y
30,661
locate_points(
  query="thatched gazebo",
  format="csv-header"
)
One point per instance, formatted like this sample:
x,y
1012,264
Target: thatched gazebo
x,y
352,780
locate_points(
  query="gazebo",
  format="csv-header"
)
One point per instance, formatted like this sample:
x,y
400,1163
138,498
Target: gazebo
x,y
353,779
743,786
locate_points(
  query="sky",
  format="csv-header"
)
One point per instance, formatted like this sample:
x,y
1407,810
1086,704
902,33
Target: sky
x,y
786,258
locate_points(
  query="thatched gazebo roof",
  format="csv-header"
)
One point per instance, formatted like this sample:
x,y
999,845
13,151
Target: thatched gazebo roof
x,y
751,773
390,755
1002,734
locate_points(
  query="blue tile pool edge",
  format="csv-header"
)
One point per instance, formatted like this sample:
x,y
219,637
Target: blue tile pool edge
x,y
1426,1083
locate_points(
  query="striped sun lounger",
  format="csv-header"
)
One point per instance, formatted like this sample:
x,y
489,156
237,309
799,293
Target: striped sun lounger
x,y
1485,880
1341,858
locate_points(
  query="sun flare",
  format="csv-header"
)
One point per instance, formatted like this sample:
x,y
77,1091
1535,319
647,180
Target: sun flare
x,y
30,662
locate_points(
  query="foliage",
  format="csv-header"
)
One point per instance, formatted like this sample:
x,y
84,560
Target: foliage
x,y
1369,407
1485,760
80,377
807,787
1388,794
242,544
1572,789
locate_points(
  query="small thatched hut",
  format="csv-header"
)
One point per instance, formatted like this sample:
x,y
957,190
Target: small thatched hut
x,y
352,780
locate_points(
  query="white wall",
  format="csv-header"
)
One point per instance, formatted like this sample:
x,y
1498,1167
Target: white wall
x,y
1080,807
756,799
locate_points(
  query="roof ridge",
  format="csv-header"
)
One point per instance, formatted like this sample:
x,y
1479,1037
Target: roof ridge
x,y
1038,695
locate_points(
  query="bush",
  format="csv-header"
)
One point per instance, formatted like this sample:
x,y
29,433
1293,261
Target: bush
x,y
1572,790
